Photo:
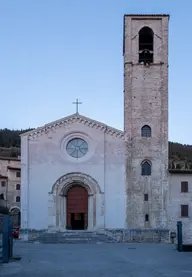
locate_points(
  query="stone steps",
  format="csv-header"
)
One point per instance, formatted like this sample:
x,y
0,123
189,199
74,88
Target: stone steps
x,y
71,237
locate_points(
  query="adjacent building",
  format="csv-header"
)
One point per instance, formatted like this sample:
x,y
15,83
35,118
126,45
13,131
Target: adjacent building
x,y
10,185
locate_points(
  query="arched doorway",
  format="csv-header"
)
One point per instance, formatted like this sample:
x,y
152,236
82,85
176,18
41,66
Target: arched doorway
x,y
16,216
77,208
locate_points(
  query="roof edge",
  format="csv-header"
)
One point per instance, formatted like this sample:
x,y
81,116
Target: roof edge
x,y
147,15
68,117
180,171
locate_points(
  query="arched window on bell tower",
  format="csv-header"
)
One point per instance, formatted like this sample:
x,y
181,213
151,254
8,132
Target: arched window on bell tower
x,y
146,45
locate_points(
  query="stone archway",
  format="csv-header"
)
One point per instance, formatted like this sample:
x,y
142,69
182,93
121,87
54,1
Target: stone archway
x,y
58,199
15,216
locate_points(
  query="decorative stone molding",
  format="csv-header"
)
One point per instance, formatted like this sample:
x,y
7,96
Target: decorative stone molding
x,y
75,118
57,198
62,185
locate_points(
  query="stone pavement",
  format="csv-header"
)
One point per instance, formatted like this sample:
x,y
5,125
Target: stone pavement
x,y
106,260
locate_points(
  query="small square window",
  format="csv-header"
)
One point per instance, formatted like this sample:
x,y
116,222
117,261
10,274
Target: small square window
x,y
146,197
18,174
184,210
184,186
3,183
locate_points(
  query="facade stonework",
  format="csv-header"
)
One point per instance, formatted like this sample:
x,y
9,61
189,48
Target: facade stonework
x,y
48,172
126,201
146,103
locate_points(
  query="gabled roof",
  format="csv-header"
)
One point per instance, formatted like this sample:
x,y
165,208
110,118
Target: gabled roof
x,y
73,119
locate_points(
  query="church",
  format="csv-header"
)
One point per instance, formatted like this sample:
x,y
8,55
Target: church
x,y
77,166
80,174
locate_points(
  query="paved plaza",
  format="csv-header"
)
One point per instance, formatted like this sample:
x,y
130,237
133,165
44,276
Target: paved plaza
x,y
101,260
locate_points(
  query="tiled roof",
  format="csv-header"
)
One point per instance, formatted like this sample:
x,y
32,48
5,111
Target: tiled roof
x,y
3,177
10,158
13,168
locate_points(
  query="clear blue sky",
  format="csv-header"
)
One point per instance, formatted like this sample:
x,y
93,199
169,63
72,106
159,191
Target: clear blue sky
x,y
54,51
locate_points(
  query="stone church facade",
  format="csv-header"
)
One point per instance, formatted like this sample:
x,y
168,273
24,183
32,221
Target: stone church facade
x,y
52,170
78,173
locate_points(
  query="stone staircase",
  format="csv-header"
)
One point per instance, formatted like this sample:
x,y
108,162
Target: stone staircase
x,y
72,237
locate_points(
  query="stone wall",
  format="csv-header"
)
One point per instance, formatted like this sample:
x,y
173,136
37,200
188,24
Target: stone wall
x,y
146,103
117,235
140,235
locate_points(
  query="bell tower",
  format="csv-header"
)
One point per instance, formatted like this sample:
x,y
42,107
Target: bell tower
x,y
145,51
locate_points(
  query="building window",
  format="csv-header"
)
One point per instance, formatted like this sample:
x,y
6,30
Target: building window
x,y
146,45
2,196
77,148
146,131
18,187
3,183
18,199
146,168
184,211
18,174
184,186
146,197
146,217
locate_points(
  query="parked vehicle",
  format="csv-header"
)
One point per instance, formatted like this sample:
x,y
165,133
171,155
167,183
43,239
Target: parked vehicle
x,y
15,232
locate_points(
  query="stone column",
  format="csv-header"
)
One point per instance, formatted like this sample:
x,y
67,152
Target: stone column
x,y
57,205
100,210
51,211
102,214
62,215
90,212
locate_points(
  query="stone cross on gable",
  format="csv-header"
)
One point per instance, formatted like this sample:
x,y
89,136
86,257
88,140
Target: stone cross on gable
x,y
77,105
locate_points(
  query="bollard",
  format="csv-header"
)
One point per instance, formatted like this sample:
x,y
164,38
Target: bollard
x,y
5,239
179,236
10,242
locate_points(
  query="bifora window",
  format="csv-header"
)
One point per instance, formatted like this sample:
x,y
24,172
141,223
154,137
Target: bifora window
x,y
77,148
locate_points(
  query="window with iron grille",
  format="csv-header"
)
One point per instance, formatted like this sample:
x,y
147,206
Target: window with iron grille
x,y
146,131
184,210
146,197
184,186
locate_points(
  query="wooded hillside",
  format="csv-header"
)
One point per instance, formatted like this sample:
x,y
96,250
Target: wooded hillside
x,y
10,142
10,146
